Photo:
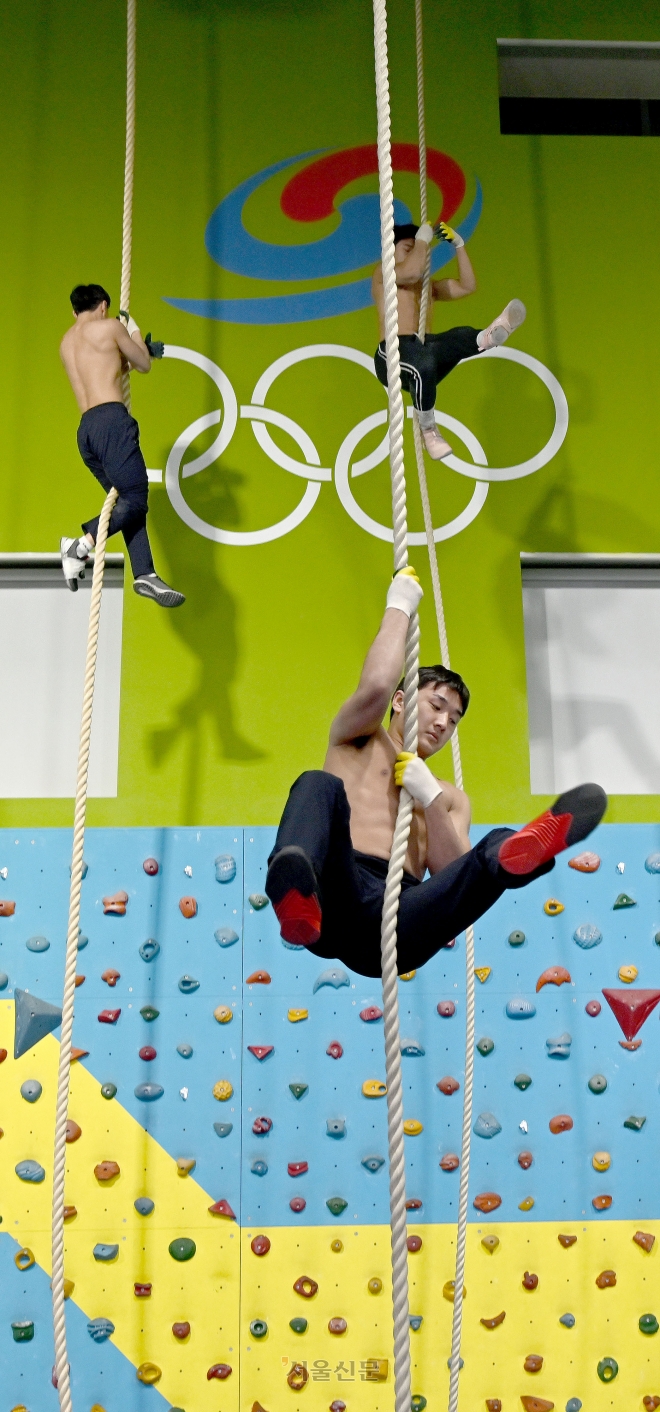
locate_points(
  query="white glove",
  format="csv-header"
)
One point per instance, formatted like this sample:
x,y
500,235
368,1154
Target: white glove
x,y
425,233
415,775
129,323
405,591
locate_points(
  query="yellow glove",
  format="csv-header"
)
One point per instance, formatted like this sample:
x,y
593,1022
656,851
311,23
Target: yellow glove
x,y
415,776
400,763
445,232
405,591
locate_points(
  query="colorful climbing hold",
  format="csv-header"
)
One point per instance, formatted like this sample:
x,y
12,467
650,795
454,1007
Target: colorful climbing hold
x,y
109,1017
494,1321
493,1404
115,905
644,1239
150,866
606,1279
450,1162
149,1012
527,1204
298,1089
652,863
585,863
259,1168
374,1088
486,1125
336,1205
225,868
29,1170
416,1321
185,1050
337,1326
635,1124
22,1330
522,1081
516,938
31,1090
147,1092
143,1205
223,1014
258,978
411,1049
485,1046
650,1403
648,1324
297,1376
414,1243
597,1083
559,1048
335,1127
587,935
184,1165
222,1090
258,900
375,1285
553,975
562,1123
334,1050
446,1008
297,1203
105,1252
568,1320
106,1171
221,1371
601,1161
628,974
260,1245
24,1258
448,1085
487,1201
297,1014
261,1051
623,900
482,973
553,907
111,977
222,1208
601,1203
533,1363
607,1370
222,1129
100,1329
305,1286
335,977
336,1246
593,1008
297,1169
298,1325
142,1291
188,907
490,1243
7,908
148,1373
520,1008
262,1125
188,984
631,1008
226,936
147,1052
567,1240
183,1248
37,943
530,1281
181,1330
371,1013
407,975
525,1160
536,1404
412,1127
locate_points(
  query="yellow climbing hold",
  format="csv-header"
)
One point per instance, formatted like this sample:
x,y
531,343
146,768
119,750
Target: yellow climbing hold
x,y
69,1286
376,1370
184,1165
294,1015
601,1161
374,1088
482,973
527,1204
223,1014
553,907
408,976
448,1290
149,1372
24,1259
412,1127
222,1090
628,974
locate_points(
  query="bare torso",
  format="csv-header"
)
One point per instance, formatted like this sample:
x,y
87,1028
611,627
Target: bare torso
x,y
368,775
409,298
93,361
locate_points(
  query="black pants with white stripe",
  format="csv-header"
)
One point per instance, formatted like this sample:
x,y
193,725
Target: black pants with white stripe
x,y
424,365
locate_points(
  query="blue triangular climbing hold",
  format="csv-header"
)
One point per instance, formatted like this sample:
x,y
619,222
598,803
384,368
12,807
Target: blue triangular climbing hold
x,y
34,1019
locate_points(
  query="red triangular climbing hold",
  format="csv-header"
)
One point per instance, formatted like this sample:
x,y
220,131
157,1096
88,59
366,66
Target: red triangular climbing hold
x,y
261,1051
222,1208
632,1008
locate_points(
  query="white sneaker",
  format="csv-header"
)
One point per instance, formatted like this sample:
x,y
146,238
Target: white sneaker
x,y
75,555
435,444
497,333
150,586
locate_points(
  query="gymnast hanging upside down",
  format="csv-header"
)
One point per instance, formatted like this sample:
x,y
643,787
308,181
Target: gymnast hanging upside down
x,y
96,352
327,872
424,365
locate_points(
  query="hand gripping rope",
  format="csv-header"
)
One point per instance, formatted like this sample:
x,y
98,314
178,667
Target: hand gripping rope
x,y
59,1158
461,1232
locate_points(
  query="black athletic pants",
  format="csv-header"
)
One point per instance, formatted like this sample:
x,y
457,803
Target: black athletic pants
x,y
424,365
352,885
109,443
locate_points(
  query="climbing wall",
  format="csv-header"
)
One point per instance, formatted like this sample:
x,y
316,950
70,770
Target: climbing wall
x,y
227,1238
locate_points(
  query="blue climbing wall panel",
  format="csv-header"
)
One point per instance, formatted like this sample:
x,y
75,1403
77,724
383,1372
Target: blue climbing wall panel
x,y
323,1137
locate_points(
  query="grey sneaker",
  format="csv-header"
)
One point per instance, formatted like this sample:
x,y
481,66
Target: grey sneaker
x,y
150,586
497,333
75,555
435,444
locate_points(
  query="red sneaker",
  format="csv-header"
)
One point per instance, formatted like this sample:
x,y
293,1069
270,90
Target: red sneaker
x,y
293,890
570,819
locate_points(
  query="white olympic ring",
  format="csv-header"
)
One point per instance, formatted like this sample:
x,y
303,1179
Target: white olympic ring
x,y
311,470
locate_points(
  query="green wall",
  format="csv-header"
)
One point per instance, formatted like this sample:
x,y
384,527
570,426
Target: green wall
x,y
224,702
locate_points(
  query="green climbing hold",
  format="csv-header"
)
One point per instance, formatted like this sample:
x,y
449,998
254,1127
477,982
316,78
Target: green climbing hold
x,y
597,1083
108,1090
299,1326
486,1045
635,1123
298,1089
23,1330
522,1081
648,1324
607,1370
336,1205
183,1248
258,1328
149,1012
417,1403
623,900
516,938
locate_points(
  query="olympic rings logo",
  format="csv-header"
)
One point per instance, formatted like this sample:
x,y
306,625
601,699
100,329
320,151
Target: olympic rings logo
x,y
346,467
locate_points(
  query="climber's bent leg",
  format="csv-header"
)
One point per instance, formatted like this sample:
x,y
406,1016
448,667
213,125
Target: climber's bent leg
x,y
312,865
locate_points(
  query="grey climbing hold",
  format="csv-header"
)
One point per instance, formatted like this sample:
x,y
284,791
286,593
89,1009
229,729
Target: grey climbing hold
x,y
336,1127
147,1092
105,1252
37,943
225,868
258,1328
516,938
29,1170
520,1009
298,1089
82,941
143,1205
559,1048
412,1049
85,870
573,1405
487,1125
623,900
259,1167
34,1019
4,980
108,1090
258,900
188,984
461,1364
31,1090
373,1164
185,1050
597,1083
636,1124
522,1081
416,1321
149,949
568,1320
587,936
292,945
226,936
223,1129
485,1045
100,1329
652,863
335,976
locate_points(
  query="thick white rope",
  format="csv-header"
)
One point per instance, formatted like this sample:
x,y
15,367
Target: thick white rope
x,y
461,1230
59,1159
402,1386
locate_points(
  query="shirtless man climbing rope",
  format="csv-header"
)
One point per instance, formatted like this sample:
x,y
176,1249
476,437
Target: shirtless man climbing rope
x,y
327,871
96,352
424,365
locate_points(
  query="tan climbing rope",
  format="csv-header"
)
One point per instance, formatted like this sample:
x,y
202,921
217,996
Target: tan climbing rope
x,y
59,1160
461,1231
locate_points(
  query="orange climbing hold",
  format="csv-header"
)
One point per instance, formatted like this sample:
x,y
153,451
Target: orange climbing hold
x,y
305,1286
73,1132
105,1171
536,1404
585,863
602,1203
645,1239
258,978
7,909
567,1240
298,1376
448,1085
188,906
496,1320
553,975
78,1054
115,905
606,1279
562,1123
533,1363
487,1201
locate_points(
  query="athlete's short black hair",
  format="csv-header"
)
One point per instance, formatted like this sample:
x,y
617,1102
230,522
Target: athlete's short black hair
x,y
88,296
442,676
407,232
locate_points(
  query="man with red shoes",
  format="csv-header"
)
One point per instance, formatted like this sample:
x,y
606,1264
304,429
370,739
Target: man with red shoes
x,y
327,872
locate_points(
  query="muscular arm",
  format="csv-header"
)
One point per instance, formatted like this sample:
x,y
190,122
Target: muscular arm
x,y
447,828
456,288
363,712
132,347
